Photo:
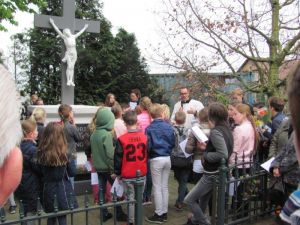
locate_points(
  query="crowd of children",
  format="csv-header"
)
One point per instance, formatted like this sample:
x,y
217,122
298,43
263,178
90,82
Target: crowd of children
x,y
119,142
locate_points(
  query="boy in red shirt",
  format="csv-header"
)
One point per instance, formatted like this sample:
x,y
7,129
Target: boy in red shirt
x,y
131,155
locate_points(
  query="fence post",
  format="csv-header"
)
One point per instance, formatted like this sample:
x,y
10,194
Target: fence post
x,y
138,190
221,193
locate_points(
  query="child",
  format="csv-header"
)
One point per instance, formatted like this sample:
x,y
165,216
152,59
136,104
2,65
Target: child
x,y
180,164
119,126
161,141
192,146
72,135
39,116
131,155
28,190
103,156
56,170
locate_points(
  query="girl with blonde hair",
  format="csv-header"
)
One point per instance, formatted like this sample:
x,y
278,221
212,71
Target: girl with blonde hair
x,y
39,116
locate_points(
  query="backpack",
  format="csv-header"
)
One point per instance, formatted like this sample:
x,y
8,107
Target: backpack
x,y
178,158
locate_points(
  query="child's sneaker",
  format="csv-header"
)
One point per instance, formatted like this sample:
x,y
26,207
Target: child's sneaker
x,y
155,219
178,207
165,217
12,209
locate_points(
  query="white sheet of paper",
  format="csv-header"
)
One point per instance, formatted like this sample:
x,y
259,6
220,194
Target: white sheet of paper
x,y
266,165
94,178
199,134
88,166
182,147
118,186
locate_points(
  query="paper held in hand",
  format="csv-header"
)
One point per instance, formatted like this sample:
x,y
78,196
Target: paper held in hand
x,y
198,133
266,165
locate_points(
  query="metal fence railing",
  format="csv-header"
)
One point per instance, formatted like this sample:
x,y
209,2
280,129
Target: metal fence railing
x,y
240,194
84,212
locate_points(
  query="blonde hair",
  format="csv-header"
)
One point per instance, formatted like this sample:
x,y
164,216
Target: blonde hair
x,y
156,111
38,114
180,117
166,111
28,126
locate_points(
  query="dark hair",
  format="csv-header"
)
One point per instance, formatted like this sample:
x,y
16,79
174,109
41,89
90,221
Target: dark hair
x,y
276,103
294,103
259,105
130,117
137,92
180,117
217,112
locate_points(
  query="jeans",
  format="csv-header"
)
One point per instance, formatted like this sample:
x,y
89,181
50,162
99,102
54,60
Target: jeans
x,y
148,186
160,171
182,176
62,220
198,198
105,177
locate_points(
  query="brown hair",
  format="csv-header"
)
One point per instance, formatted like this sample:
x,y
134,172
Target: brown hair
x,y
294,103
107,100
180,117
137,92
203,115
64,111
52,150
243,108
166,111
156,111
218,113
130,117
145,103
28,126
116,109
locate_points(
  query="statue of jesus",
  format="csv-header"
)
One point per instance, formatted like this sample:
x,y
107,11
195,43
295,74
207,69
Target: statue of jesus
x,y
70,56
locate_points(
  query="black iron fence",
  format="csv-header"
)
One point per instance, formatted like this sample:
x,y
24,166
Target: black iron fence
x,y
240,194
84,211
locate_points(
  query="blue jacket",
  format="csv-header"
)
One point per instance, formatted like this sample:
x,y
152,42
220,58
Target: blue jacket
x,y
161,139
28,189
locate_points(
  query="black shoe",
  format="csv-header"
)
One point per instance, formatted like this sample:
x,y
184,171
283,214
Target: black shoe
x,y
155,219
165,217
107,217
189,222
12,209
122,217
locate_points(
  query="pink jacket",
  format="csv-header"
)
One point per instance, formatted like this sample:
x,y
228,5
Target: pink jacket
x,y
120,127
244,140
144,120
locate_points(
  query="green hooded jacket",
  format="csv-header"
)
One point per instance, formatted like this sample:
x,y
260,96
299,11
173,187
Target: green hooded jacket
x,y
102,141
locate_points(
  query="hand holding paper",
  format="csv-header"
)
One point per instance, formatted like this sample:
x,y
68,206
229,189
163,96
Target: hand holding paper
x,y
198,133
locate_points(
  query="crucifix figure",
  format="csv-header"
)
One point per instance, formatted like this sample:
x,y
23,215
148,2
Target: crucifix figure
x,y
69,24
70,56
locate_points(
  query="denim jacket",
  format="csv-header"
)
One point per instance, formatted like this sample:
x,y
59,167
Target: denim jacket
x,y
161,139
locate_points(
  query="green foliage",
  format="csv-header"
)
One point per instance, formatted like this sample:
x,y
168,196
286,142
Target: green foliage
x,y
9,7
105,63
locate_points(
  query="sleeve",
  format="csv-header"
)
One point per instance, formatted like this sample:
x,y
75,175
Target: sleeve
x,y
175,109
218,142
149,142
273,149
109,150
76,135
237,144
118,158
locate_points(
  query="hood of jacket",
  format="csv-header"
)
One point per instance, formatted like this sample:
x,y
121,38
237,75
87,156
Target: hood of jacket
x,y
105,119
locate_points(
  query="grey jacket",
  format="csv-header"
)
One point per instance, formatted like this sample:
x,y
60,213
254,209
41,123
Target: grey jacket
x,y
287,163
280,138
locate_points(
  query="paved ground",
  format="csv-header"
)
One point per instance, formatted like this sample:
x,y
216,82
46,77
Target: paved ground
x,y
174,217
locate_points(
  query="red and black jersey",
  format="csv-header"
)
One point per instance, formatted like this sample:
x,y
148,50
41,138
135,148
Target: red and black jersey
x,y
131,154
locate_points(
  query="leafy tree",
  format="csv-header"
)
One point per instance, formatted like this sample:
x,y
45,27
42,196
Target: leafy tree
x,y
9,7
204,34
100,68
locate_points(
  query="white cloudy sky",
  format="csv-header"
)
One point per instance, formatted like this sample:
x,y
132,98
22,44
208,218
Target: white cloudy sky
x,y
136,16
